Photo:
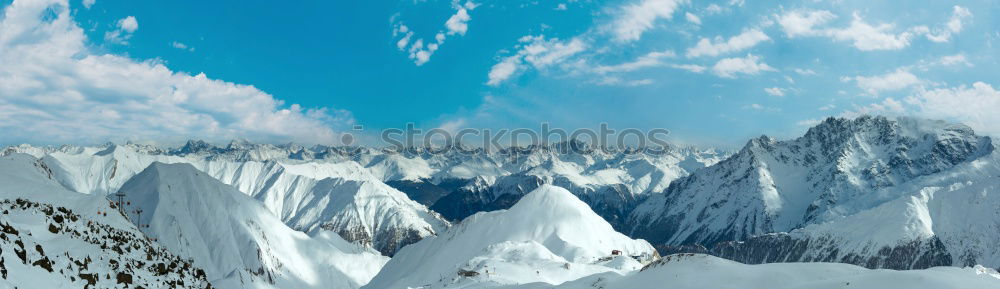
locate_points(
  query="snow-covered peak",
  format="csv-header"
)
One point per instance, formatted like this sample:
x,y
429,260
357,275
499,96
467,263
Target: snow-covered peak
x,y
830,172
235,238
548,236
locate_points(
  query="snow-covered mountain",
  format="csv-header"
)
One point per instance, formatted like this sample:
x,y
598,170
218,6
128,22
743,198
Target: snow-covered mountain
x,y
54,238
704,271
238,242
548,236
612,183
342,197
355,192
339,196
873,191
947,219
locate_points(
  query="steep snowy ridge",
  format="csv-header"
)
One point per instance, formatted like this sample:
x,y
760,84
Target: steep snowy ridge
x,y
548,236
54,238
238,241
341,197
777,186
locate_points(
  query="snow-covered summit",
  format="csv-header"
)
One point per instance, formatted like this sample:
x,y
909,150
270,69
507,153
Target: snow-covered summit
x,y
548,236
830,172
236,239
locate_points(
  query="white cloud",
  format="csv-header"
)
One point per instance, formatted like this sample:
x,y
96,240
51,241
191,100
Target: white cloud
x,y
750,65
759,107
827,107
954,25
803,22
458,23
651,59
613,80
775,91
88,3
503,70
801,71
809,122
692,18
128,24
561,6
690,67
957,59
419,51
745,40
975,106
181,46
893,81
636,18
125,27
537,52
53,89
866,37
861,34
713,9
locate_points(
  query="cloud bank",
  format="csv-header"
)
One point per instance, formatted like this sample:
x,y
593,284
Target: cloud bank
x,y
55,89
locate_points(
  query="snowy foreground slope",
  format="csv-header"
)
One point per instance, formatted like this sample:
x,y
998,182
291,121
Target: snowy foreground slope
x,y
703,271
548,236
238,242
54,238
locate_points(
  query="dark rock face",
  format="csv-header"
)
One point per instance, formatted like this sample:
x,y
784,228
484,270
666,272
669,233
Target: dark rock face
x,y
775,248
390,240
456,206
425,192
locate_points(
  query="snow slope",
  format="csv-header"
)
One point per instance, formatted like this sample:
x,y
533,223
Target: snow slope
x,y
54,238
548,236
238,242
703,271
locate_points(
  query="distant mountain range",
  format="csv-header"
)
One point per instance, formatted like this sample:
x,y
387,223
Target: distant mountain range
x,y
877,192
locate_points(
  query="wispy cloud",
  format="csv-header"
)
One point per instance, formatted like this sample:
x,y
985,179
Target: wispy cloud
x,y
181,46
718,46
635,19
892,81
123,31
536,51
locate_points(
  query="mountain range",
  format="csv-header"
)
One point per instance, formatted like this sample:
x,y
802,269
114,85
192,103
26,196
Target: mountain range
x,y
871,191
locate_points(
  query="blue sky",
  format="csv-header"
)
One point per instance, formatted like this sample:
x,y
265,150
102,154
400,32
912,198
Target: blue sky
x,y
713,72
